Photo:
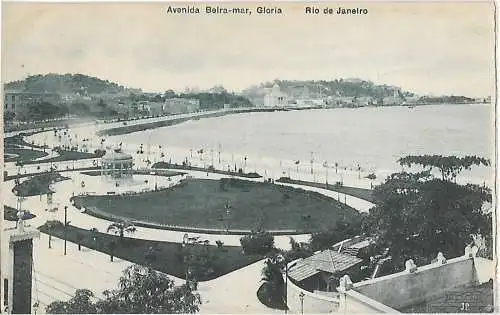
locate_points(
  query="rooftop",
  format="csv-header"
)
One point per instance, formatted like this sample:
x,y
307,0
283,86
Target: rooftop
x,y
326,261
116,155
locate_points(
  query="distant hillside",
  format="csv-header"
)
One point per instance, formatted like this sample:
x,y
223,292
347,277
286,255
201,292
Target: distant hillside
x,y
66,83
338,87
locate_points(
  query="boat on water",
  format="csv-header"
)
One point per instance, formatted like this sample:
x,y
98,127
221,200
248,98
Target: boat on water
x,y
411,106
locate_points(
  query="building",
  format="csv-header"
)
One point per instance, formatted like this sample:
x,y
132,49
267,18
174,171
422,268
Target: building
x,y
116,164
364,101
393,100
411,100
321,272
179,105
17,268
17,101
275,98
461,284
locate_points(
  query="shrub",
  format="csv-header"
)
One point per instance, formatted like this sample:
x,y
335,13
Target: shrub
x,y
258,242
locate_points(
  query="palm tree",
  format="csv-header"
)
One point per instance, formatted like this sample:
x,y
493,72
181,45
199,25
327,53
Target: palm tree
x,y
120,227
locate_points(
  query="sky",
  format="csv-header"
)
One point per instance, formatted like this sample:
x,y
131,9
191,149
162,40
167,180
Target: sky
x,y
427,48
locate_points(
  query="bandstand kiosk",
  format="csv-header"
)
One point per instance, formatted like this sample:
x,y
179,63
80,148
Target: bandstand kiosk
x,y
116,165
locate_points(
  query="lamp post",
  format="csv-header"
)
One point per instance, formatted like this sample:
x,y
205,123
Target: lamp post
x,y
65,227
301,296
312,161
228,213
326,171
220,148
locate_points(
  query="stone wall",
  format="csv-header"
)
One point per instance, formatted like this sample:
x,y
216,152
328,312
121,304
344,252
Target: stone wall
x,y
313,303
402,289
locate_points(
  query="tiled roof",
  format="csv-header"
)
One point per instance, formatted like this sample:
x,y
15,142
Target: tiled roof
x,y
327,261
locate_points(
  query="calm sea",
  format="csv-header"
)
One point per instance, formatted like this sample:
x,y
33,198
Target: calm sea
x,y
374,138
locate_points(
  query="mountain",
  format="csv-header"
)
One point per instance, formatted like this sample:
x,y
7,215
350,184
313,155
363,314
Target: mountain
x,y
67,84
322,88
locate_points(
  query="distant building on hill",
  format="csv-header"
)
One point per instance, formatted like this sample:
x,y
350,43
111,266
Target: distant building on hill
x,y
395,99
181,105
17,101
275,98
364,101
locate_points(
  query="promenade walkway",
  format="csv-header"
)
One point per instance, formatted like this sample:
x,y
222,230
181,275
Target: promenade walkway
x,y
57,275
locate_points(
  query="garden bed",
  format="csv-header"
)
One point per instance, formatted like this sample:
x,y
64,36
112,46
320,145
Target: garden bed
x,y
224,205
168,257
37,185
65,155
23,155
165,173
10,214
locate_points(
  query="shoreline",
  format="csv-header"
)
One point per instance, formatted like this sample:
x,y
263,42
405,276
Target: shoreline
x,y
126,129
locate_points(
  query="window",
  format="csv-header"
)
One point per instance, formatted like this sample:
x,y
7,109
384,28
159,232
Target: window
x,y
13,106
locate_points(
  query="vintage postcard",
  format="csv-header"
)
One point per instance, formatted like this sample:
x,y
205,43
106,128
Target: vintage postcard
x,y
248,157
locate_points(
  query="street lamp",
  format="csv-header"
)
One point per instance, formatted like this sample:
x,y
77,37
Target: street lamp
x,y
65,227
227,206
312,161
326,170
220,148
301,296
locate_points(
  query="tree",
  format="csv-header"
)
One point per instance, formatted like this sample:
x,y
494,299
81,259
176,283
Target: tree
x,y
448,166
417,215
80,303
258,242
272,277
51,226
326,238
8,116
141,290
121,227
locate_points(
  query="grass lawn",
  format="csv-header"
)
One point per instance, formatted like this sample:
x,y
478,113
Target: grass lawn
x,y
361,193
10,214
201,203
168,257
201,169
38,184
19,140
65,155
23,154
165,173
11,177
